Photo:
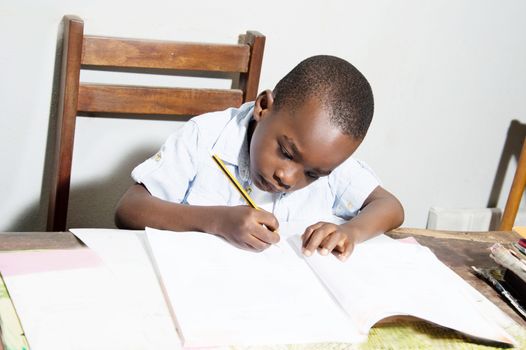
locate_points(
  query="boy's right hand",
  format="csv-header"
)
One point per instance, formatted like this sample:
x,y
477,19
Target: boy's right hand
x,y
247,228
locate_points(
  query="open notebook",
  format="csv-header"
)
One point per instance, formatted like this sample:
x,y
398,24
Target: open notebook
x,y
221,295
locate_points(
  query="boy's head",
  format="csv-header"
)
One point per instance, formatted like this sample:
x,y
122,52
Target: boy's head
x,y
315,118
339,87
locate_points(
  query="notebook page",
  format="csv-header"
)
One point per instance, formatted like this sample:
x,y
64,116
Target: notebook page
x,y
385,278
222,295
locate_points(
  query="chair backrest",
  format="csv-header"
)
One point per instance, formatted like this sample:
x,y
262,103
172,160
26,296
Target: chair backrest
x,y
143,56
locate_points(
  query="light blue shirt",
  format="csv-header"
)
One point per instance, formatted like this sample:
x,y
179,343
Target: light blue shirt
x,y
183,172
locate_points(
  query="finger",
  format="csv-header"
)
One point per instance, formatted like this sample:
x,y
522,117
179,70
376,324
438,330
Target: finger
x,y
312,237
330,242
264,235
347,250
340,246
256,244
267,219
308,232
316,238
251,248
242,244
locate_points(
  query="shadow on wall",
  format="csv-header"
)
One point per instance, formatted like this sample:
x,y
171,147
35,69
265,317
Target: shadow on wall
x,y
91,204
512,148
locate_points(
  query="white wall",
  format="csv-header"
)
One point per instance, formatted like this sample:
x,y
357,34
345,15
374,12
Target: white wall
x,y
448,77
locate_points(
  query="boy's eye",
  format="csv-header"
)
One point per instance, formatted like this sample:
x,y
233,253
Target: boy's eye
x,y
312,175
285,153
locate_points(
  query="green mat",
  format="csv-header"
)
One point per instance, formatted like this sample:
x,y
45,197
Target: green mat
x,y
409,335
13,337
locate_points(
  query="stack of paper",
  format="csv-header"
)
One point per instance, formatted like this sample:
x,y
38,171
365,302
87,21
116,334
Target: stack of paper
x,y
73,299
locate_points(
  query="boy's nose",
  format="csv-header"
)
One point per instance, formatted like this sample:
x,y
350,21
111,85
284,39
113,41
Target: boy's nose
x,y
286,177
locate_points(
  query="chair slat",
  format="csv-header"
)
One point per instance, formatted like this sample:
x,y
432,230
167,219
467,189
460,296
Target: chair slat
x,y
98,98
133,53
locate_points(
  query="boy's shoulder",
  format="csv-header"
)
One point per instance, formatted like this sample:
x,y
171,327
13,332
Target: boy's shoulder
x,y
224,130
215,122
352,166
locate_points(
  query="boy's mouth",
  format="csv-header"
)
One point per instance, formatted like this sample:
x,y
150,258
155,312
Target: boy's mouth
x,y
266,185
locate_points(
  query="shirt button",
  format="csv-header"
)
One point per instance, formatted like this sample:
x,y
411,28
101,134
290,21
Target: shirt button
x,y
157,157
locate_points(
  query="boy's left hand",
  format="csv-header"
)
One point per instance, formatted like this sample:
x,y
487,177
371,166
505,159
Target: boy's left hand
x,y
328,238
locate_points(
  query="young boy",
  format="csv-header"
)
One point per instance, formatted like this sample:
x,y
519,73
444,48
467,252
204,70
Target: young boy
x,y
292,147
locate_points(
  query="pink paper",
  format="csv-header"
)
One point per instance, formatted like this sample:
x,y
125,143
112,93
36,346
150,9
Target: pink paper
x,y
29,262
410,240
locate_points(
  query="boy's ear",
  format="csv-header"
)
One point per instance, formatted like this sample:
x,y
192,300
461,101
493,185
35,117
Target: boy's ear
x,y
263,104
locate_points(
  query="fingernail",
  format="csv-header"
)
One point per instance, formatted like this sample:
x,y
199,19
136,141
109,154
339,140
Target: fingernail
x,y
342,257
324,251
307,252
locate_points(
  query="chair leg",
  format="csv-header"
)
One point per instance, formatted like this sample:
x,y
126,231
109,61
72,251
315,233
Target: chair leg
x,y
516,191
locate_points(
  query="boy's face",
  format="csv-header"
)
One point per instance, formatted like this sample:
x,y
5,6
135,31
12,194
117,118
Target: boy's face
x,y
290,149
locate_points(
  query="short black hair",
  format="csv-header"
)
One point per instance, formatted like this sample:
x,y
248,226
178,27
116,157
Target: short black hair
x,y
338,85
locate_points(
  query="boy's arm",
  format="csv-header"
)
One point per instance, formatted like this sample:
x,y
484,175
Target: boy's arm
x,y
380,213
241,225
138,209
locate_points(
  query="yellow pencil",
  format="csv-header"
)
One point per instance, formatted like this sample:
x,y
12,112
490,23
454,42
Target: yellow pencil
x,y
234,182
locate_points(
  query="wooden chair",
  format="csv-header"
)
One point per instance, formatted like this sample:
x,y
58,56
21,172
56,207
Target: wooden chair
x,y
516,191
133,55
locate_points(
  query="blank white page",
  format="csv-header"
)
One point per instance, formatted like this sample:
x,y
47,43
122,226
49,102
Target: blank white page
x,y
385,277
222,295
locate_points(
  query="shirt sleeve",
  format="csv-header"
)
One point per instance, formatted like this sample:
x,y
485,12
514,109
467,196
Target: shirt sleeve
x,y
170,172
352,182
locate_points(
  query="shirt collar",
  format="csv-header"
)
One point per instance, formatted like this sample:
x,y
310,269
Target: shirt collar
x,y
232,145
